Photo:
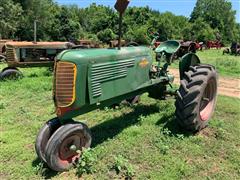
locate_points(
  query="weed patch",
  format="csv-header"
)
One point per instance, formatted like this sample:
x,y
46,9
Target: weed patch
x,y
123,167
86,162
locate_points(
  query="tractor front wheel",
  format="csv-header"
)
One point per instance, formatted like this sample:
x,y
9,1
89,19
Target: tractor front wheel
x,y
196,98
44,135
66,144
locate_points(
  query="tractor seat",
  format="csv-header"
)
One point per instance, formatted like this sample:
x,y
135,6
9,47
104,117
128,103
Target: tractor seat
x,y
170,47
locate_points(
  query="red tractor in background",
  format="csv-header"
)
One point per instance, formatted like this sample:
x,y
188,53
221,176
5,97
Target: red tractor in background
x,y
185,46
214,44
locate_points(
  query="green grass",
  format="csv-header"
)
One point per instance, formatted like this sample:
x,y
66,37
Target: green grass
x,y
226,65
143,141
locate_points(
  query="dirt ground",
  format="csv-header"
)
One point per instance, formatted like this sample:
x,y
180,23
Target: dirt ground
x,y
226,86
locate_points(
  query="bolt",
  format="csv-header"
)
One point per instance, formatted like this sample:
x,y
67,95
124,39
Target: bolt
x,y
73,148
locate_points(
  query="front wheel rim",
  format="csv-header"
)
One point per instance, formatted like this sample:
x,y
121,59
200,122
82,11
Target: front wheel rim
x,y
67,155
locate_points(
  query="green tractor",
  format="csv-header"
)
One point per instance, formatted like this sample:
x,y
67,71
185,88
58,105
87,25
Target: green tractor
x,y
85,80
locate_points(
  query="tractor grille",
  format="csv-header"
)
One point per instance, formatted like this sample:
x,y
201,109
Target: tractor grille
x,y
65,76
10,54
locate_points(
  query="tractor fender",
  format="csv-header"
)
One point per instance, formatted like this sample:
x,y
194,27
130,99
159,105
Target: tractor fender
x,y
187,60
2,57
6,68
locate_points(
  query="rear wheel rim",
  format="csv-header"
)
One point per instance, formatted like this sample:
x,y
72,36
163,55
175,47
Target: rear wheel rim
x,y
207,102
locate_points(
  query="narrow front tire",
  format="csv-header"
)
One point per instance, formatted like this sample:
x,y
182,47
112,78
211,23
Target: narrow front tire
x,y
44,135
63,148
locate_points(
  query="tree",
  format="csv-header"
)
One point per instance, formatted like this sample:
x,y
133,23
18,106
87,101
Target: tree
x,y
236,33
97,22
138,35
98,18
10,15
106,35
168,25
67,26
199,31
43,11
218,14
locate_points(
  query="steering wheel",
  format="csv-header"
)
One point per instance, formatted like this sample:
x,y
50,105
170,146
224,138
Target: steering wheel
x,y
131,44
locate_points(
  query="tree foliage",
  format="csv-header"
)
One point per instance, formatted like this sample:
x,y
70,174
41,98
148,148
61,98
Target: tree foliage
x,y
218,14
65,23
10,17
200,31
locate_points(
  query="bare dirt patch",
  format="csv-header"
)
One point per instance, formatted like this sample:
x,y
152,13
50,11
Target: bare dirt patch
x,y
226,86
207,132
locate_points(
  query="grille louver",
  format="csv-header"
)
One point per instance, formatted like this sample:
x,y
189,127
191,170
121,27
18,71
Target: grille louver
x,y
10,54
65,74
103,72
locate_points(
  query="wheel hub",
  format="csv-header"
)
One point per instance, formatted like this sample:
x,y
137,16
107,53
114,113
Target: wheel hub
x,y
70,146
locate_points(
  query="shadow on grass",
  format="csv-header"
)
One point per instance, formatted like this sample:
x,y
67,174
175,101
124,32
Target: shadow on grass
x,y
112,127
102,132
170,122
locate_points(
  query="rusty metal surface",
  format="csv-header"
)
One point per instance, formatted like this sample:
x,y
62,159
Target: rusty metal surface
x,y
186,43
87,43
10,55
30,64
121,5
29,54
114,43
2,45
27,44
5,40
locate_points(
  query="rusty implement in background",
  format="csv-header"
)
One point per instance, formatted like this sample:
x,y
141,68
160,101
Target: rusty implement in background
x,y
30,54
3,49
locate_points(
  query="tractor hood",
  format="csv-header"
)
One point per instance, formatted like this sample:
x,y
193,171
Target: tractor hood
x,y
83,56
98,75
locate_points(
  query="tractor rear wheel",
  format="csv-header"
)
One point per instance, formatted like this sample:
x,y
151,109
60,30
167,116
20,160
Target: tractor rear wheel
x,y
134,100
11,74
44,135
130,101
192,48
64,147
196,97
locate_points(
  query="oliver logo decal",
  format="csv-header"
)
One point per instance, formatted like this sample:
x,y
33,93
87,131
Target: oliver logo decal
x,y
143,63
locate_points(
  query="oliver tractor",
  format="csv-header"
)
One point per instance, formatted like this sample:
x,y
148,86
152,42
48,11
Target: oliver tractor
x,y
88,79
30,54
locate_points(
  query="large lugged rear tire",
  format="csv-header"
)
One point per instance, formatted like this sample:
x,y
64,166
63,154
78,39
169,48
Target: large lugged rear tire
x,y
196,99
